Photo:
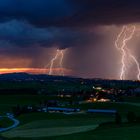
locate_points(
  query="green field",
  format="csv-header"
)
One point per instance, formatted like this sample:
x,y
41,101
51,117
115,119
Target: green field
x,y
58,126
8,101
132,99
5,122
121,133
71,128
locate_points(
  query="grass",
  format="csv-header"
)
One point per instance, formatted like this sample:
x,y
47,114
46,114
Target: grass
x,y
132,99
40,124
121,108
106,133
50,86
27,118
60,123
44,120
48,132
121,133
8,101
5,122
44,124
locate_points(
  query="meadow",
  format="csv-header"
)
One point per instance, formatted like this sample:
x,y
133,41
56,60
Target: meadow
x,y
59,126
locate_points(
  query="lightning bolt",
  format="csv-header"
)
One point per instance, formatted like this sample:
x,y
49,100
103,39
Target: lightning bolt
x,y
126,35
61,61
52,62
121,49
118,38
58,56
137,64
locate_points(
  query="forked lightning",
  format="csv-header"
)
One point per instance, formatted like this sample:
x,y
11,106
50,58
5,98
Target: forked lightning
x,y
124,36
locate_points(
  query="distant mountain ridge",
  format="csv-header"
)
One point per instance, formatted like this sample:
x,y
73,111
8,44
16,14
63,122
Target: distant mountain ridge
x,y
22,76
26,76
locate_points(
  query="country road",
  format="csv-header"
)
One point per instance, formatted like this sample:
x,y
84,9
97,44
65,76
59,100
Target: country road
x,y
15,123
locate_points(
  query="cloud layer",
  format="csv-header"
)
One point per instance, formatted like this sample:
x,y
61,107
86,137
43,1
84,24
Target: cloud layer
x,y
71,12
32,30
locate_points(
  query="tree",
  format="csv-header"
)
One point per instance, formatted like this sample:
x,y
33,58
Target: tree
x,y
118,118
131,117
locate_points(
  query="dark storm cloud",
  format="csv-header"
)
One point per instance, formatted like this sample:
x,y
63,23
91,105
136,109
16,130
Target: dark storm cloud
x,y
104,12
24,35
35,11
71,12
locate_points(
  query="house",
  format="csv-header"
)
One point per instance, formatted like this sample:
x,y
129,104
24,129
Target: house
x,y
106,111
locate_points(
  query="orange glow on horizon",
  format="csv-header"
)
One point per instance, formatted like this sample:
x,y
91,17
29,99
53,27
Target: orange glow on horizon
x,y
34,70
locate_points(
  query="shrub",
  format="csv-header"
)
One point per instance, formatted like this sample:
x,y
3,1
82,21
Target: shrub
x,y
131,117
118,118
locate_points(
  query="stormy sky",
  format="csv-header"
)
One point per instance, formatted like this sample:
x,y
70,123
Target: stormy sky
x,y
32,30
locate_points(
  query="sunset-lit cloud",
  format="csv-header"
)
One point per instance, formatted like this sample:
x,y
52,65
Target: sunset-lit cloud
x,y
56,71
